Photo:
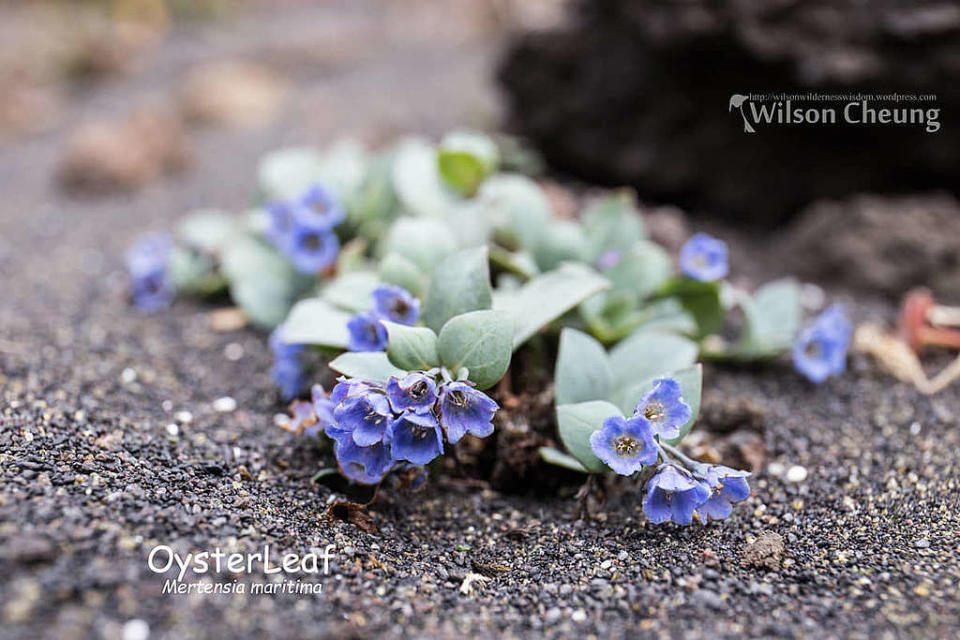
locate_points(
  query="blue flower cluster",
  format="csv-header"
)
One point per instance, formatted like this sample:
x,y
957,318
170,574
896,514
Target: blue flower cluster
x,y
302,229
287,369
391,303
375,426
675,493
147,263
704,258
821,348
626,446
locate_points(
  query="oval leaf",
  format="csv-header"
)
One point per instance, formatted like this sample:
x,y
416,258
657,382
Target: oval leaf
x,y
561,459
460,284
647,354
577,422
582,371
480,341
316,321
411,348
366,365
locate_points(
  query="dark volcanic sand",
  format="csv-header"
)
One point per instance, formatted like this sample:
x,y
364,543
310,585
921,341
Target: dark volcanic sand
x,y
92,478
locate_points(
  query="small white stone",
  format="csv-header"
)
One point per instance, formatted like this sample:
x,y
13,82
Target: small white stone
x,y
226,404
796,473
579,615
233,351
128,376
812,297
183,417
173,429
915,428
776,469
136,629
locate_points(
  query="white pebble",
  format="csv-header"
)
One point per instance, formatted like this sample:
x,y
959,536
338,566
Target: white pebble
x,y
136,629
776,469
233,351
173,429
812,297
128,376
226,404
796,473
183,417
915,428
579,615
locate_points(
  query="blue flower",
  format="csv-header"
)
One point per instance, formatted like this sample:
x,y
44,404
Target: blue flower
x,y
324,205
417,392
704,258
674,494
281,224
312,245
726,485
366,418
625,445
396,304
464,410
287,370
302,420
347,388
366,465
821,348
416,438
609,260
323,409
664,408
367,333
147,263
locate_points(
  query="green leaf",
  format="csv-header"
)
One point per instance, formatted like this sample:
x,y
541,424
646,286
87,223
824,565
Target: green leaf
x,y
425,243
461,171
398,270
577,422
417,181
316,321
374,203
700,299
647,354
518,209
207,230
667,315
561,459
352,291
412,348
547,297
583,371
562,241
516,262
287,173
194,272
262,282
691,385
366,365
643,269
612,224
480,341
460,283
772,318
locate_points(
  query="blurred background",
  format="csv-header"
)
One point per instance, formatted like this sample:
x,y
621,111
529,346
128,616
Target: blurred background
x,y
132,112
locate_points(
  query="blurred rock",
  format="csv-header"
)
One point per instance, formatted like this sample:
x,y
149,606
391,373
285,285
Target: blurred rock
x,y
124,154
882,245
235,94
637,92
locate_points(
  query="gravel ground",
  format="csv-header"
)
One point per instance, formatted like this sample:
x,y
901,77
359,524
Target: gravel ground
x,y
99,463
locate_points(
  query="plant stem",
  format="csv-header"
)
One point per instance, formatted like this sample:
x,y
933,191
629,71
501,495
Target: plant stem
x,y
673,451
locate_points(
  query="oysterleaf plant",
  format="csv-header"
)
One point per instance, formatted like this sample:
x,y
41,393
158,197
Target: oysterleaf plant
x,y
416,272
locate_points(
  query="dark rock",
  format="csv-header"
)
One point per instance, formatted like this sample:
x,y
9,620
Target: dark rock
x,y
638,92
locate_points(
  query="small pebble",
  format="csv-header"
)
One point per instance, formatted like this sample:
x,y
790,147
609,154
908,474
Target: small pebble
x,y
915,428
233,351
796,473
579,615
183,417
226,404
173,429
128,376
136,629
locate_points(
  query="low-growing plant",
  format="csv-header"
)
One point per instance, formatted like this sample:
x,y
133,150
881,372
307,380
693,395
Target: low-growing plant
x,y
418,271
